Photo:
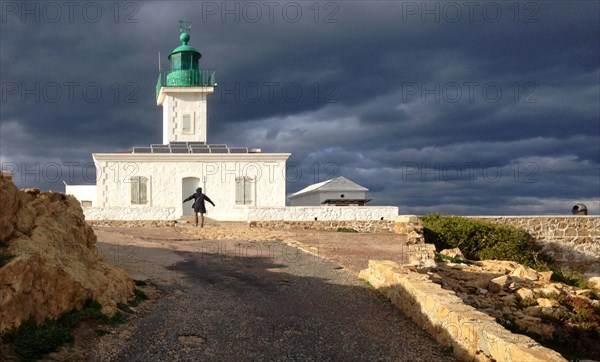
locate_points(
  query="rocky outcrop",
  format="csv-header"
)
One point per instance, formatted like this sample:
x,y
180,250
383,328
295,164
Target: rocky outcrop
x,y
475,336
54,265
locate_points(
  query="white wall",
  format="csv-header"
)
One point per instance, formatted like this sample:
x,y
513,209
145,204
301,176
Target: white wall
x,y
242,213
317,197
165,184
309,199
338,213
179,100
82,193
124,213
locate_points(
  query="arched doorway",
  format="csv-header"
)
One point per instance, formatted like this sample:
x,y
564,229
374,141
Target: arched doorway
x,y
188,187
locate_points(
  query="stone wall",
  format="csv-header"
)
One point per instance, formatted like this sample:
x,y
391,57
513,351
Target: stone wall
x,y
323,213
129,213
474,336
132,223
574,241
409,225
249,213
373,226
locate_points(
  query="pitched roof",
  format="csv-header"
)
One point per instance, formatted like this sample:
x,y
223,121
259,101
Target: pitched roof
x,y
335,184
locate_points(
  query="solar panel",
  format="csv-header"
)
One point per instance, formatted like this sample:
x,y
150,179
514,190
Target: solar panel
x,y
178,143
238,150
159,146
142,150
161,150
179,146
218,146
180,150
195,143
219,150
199,146
200,150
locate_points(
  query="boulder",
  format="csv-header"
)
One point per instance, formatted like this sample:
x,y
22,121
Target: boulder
x,y
497,266
548,290
594,282
524,272
533,311
498,284
524,293
545,277
583,292
55,265
532,324
547,303
453,253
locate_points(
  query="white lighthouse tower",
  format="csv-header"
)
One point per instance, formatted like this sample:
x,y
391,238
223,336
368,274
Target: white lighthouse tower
x,y
182,91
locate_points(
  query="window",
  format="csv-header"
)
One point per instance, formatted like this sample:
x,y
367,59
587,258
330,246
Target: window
x,y
243,190
139,190
186,124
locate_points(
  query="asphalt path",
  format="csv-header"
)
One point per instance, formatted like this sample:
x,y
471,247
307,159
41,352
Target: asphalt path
x,y
258,301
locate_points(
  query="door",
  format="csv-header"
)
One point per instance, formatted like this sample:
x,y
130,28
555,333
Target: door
x,y
188,187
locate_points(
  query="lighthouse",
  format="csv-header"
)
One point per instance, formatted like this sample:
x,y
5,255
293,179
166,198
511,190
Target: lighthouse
x,y
182,91
149,182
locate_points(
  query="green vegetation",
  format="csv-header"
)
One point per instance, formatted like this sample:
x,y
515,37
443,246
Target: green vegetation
x,y
31,341
448,351
4,256
140,283
139,297
346,230
125,308
4,259
365,283
527,302
480,240
569,277
101,332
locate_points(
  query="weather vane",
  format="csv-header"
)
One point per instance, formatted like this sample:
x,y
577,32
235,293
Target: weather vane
x,y
185,26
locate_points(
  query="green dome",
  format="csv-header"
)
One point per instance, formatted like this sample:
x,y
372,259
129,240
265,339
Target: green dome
x,y
184,47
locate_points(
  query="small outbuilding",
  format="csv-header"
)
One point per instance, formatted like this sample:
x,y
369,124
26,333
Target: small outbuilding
x,y
338,191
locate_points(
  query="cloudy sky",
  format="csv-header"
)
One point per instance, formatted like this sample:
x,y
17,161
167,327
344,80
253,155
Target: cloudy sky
x,y
456,107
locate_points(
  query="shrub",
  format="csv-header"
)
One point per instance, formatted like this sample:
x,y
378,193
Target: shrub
x,y
569,277
479,240
32,341
346,230
139,297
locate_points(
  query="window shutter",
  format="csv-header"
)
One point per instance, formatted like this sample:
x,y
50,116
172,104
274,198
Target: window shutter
x,y
239,190
186,123
135,195
143,190
247,190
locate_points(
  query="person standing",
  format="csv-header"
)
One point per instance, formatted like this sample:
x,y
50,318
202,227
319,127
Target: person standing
x,y
198,205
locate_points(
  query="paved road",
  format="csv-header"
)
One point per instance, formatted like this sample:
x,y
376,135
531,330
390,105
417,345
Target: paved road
x,y
259,301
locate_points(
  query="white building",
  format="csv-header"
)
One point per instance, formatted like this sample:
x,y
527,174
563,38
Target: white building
x,y
338,191
149,183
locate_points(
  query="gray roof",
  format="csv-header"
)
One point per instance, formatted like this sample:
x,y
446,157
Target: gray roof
x,y
335,184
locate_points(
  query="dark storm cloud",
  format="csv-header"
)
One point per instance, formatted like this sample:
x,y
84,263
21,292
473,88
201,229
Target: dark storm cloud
x,y
420,107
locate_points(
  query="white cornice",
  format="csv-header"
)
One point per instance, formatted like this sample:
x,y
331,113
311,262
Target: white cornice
x,y
189,157
166,90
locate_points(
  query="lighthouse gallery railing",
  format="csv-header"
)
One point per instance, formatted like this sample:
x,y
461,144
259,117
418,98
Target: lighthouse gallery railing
x,y
186,78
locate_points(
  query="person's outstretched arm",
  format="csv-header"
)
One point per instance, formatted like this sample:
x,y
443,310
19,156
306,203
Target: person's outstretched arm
x,y
209,200
189,198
